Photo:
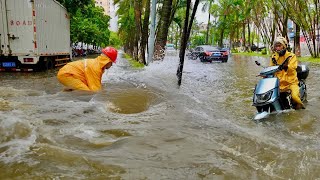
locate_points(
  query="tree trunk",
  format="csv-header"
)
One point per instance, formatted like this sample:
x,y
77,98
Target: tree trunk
x,y
137,18
144,37
183,43
285,27
244,34
297,49
208,25
163,29
222,32
249,40
194,11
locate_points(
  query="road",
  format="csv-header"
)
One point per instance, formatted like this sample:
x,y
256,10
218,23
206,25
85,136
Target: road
x,y
143,126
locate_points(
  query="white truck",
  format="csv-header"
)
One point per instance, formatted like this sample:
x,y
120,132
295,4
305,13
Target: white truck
x,y
34,35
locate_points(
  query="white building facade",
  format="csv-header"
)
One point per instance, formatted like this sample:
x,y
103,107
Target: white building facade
x,y
109,9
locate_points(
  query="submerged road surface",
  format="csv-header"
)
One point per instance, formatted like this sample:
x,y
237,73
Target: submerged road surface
x,y
142,126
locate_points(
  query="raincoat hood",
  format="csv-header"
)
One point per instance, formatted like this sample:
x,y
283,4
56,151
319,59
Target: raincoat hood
x,y
282,41
103,60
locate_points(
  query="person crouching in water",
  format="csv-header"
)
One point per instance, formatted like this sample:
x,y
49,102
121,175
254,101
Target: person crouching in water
x,y
288,75
86,74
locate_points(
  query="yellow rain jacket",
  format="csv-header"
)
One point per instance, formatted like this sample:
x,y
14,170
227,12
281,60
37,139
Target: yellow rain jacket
x,y
84,74
288,78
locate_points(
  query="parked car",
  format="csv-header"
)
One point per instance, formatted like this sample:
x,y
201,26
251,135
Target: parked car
x,y
256,48
170,47
207,53
171,50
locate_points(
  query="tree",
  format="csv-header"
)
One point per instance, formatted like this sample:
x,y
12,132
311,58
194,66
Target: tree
x,y
72,6
308,19
163,27
185,37
88,24
126,25
206,7
133,26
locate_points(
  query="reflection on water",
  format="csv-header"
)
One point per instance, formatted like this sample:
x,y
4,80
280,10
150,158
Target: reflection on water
x,y
141,126
45,81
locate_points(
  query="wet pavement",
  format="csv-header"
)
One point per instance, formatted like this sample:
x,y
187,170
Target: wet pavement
x,y
143,126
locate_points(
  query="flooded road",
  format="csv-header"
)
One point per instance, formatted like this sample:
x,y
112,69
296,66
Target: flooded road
x,y
142,126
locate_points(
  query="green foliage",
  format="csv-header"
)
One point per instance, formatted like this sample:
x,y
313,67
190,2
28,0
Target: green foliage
x,y
234,50
90,25
115,41
135,64
73,5
126,25
198,40
264,51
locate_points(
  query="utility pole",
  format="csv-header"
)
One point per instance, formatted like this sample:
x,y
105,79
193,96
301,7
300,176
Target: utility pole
x,y
152,31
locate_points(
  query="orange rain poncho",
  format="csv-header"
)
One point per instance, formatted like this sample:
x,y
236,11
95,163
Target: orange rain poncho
x,y
288,78
83,75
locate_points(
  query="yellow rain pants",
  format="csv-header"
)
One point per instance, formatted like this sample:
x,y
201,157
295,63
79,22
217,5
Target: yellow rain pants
x,y
84,74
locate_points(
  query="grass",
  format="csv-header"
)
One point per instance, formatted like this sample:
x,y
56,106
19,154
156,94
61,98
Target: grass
x,y
135,64
252,54
302,59
309,59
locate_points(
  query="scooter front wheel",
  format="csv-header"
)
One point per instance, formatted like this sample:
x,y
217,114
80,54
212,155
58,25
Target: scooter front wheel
x,y
263,108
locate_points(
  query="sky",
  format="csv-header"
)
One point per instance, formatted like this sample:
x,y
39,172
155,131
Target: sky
x,y
201,16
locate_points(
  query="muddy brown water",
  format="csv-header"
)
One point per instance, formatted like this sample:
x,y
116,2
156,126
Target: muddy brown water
x,y
142,126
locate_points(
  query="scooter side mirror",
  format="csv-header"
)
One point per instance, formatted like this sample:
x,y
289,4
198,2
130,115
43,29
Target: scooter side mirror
x,y
257,63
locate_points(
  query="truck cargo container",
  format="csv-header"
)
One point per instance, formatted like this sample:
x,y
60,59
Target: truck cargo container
x,y
34,35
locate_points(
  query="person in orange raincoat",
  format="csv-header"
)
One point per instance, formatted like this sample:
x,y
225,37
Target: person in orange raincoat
x,y
288,75
86,74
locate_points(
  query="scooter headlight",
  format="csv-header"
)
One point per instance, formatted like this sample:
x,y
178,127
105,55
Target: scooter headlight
x,y
262,98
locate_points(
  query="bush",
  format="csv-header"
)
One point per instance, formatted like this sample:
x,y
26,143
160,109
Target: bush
x,y
264,51
234,50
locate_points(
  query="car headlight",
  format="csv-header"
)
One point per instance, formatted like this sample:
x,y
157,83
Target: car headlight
x,y
261,98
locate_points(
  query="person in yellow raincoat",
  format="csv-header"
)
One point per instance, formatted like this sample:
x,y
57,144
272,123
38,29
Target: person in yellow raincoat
x,y
288,75
86,74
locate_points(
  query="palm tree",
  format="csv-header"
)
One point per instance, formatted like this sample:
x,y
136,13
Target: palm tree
x,y
163,27
133,26
206,7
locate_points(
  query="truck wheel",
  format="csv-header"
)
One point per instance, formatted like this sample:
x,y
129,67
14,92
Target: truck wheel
x,y
48,63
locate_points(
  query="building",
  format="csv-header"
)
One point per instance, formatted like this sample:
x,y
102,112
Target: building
x,y
109,9
203,27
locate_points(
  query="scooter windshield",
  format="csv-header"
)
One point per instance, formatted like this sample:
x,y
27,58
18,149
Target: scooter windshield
x,y
269,70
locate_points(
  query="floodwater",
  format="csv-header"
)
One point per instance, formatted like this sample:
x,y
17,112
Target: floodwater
x,y
142,126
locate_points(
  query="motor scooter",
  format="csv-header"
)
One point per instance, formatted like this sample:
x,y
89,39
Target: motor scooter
x,y
267,97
